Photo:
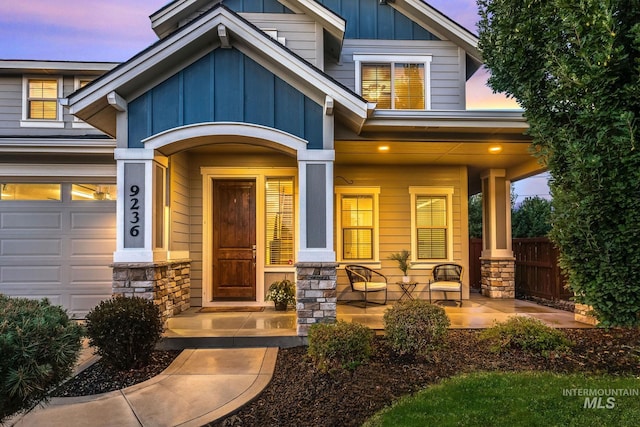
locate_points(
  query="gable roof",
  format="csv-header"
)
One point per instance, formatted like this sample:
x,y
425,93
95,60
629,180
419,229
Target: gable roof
x,y
98,102
170,17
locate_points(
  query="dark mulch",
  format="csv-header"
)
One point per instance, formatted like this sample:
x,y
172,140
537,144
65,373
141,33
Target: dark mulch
x,y
300,395
101,378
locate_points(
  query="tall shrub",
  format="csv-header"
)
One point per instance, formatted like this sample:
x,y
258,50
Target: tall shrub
x,y
39,346
125,330
575,69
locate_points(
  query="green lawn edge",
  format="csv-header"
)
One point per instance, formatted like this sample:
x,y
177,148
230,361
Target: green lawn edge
x,y
518,399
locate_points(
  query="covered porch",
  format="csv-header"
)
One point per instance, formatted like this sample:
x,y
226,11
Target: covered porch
x,y
270,327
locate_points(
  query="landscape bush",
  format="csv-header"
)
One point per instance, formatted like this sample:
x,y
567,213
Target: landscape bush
x,y
39,346
339,345
415,327
125,330
525,333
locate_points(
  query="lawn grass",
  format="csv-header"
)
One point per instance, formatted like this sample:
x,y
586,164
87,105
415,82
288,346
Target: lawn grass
x,y
515,399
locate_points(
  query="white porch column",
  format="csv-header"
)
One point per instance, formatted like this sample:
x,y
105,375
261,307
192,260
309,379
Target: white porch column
x,y
140,216
315,171
498,262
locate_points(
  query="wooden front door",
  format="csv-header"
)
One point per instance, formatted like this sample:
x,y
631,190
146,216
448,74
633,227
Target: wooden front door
x,y
234,240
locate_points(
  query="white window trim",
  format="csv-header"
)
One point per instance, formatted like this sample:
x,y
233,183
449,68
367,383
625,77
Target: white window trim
x,y
26,122
367,191
424,264
78,123
361,58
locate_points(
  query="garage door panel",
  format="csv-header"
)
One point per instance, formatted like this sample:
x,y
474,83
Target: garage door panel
x,y
31,247
61,251
91,247
80,305
35,274
93,221
81,275
31,220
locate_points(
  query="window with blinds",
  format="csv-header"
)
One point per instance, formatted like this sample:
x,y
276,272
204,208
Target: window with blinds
x,y
357,226
398,86
431,227
279,221
42,99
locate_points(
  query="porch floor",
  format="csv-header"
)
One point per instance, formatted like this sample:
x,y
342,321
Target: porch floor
x,y
276,328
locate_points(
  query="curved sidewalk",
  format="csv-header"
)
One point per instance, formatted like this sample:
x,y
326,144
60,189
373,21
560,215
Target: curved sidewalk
x,y
200,386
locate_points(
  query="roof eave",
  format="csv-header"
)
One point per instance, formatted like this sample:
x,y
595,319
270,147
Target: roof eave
x,y
90,103
440,24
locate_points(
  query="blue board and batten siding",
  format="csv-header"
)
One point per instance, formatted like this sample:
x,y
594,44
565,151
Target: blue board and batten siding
x,y
256,6
368,19
225,86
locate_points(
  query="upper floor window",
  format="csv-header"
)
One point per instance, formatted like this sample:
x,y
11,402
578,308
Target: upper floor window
x,y
357,223
40,102
431,222
394,82
79,83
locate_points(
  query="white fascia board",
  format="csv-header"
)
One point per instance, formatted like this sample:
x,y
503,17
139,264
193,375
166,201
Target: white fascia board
x,y
62,145
439,23
463,118
55,66
57,170
167,19
330,21
257,41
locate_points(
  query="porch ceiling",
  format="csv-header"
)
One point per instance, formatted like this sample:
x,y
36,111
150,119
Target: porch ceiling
x,y
515,157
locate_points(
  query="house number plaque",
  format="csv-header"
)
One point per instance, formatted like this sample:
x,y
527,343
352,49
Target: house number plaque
x,y
134,205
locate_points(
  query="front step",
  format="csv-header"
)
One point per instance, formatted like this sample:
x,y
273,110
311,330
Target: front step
x,y
181,342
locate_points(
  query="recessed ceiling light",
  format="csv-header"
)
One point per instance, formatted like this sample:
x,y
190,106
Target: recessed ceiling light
x,y
495,149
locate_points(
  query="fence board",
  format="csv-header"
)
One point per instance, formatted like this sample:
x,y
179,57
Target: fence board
x,y
537,271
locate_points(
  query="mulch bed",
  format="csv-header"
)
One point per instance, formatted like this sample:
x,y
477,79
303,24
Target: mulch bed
x,y
101,378
300,395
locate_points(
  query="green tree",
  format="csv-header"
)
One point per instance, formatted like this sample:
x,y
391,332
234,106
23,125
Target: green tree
x,y
475,216
532,218
574,66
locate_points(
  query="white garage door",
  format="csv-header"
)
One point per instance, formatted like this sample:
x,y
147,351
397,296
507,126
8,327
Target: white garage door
x,y
60,250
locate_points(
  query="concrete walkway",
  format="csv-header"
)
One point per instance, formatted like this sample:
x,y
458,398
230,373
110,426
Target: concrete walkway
x,y
199,387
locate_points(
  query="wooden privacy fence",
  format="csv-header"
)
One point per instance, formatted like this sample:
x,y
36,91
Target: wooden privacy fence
x,y
537,271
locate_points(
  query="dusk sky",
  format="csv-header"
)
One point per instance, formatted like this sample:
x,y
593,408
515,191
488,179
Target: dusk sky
x,y
115,30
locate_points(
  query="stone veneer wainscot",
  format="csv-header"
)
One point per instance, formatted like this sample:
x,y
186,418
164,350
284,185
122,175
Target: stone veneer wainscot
x,y
498,277
168,284
316,294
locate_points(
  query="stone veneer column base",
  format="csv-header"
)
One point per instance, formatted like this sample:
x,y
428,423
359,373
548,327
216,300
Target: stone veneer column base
x,y
584,313
498,277
316,294
167,284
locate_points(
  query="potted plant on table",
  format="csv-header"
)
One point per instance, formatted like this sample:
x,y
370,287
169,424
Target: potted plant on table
x,y
282,293
402,258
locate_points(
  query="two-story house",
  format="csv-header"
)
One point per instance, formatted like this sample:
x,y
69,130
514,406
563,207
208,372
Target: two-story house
x,y
255,139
